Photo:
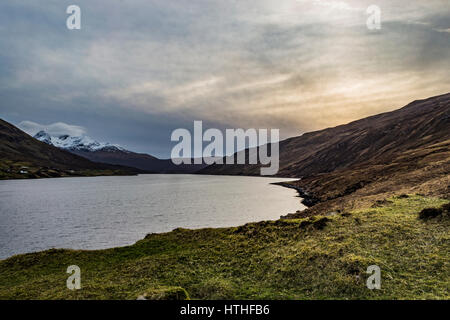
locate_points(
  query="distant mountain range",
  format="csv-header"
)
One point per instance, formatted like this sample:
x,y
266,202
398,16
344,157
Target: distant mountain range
x,y
79,143
21,156
114,154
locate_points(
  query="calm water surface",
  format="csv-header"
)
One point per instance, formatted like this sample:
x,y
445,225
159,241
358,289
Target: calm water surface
x,y
103,212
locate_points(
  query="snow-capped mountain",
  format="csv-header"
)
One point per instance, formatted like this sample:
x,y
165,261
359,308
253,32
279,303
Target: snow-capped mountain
x,y
81,143
95,151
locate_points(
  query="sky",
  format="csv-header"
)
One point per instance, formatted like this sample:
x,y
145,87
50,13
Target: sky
x,y
139,69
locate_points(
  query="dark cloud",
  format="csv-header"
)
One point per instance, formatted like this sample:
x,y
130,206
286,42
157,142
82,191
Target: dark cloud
x,y
139,69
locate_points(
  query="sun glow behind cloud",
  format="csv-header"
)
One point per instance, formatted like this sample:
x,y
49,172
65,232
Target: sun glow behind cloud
x,y
297,65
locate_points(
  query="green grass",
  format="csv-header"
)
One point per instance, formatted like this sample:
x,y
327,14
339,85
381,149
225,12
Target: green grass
x,y
312,258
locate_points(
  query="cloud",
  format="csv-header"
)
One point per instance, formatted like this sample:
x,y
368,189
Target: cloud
x,y
341,5
54,129
442,30
138,69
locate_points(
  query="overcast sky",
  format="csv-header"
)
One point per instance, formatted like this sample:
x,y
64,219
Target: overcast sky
x,y
139,69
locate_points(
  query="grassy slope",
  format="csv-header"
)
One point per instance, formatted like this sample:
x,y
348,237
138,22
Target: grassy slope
x,y
285,259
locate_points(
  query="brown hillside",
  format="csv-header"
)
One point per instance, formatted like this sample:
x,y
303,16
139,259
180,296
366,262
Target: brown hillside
x,y
376,139
362,163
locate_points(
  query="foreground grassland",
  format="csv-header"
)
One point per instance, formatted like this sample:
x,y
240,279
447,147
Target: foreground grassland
x,y
310,258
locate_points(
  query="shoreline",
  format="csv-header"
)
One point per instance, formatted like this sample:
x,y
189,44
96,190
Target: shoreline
x,y
27,177
308,199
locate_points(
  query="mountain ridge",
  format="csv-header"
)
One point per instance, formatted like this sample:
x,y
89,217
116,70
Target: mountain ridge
x,y
22,156
114,154
373,139
74,143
